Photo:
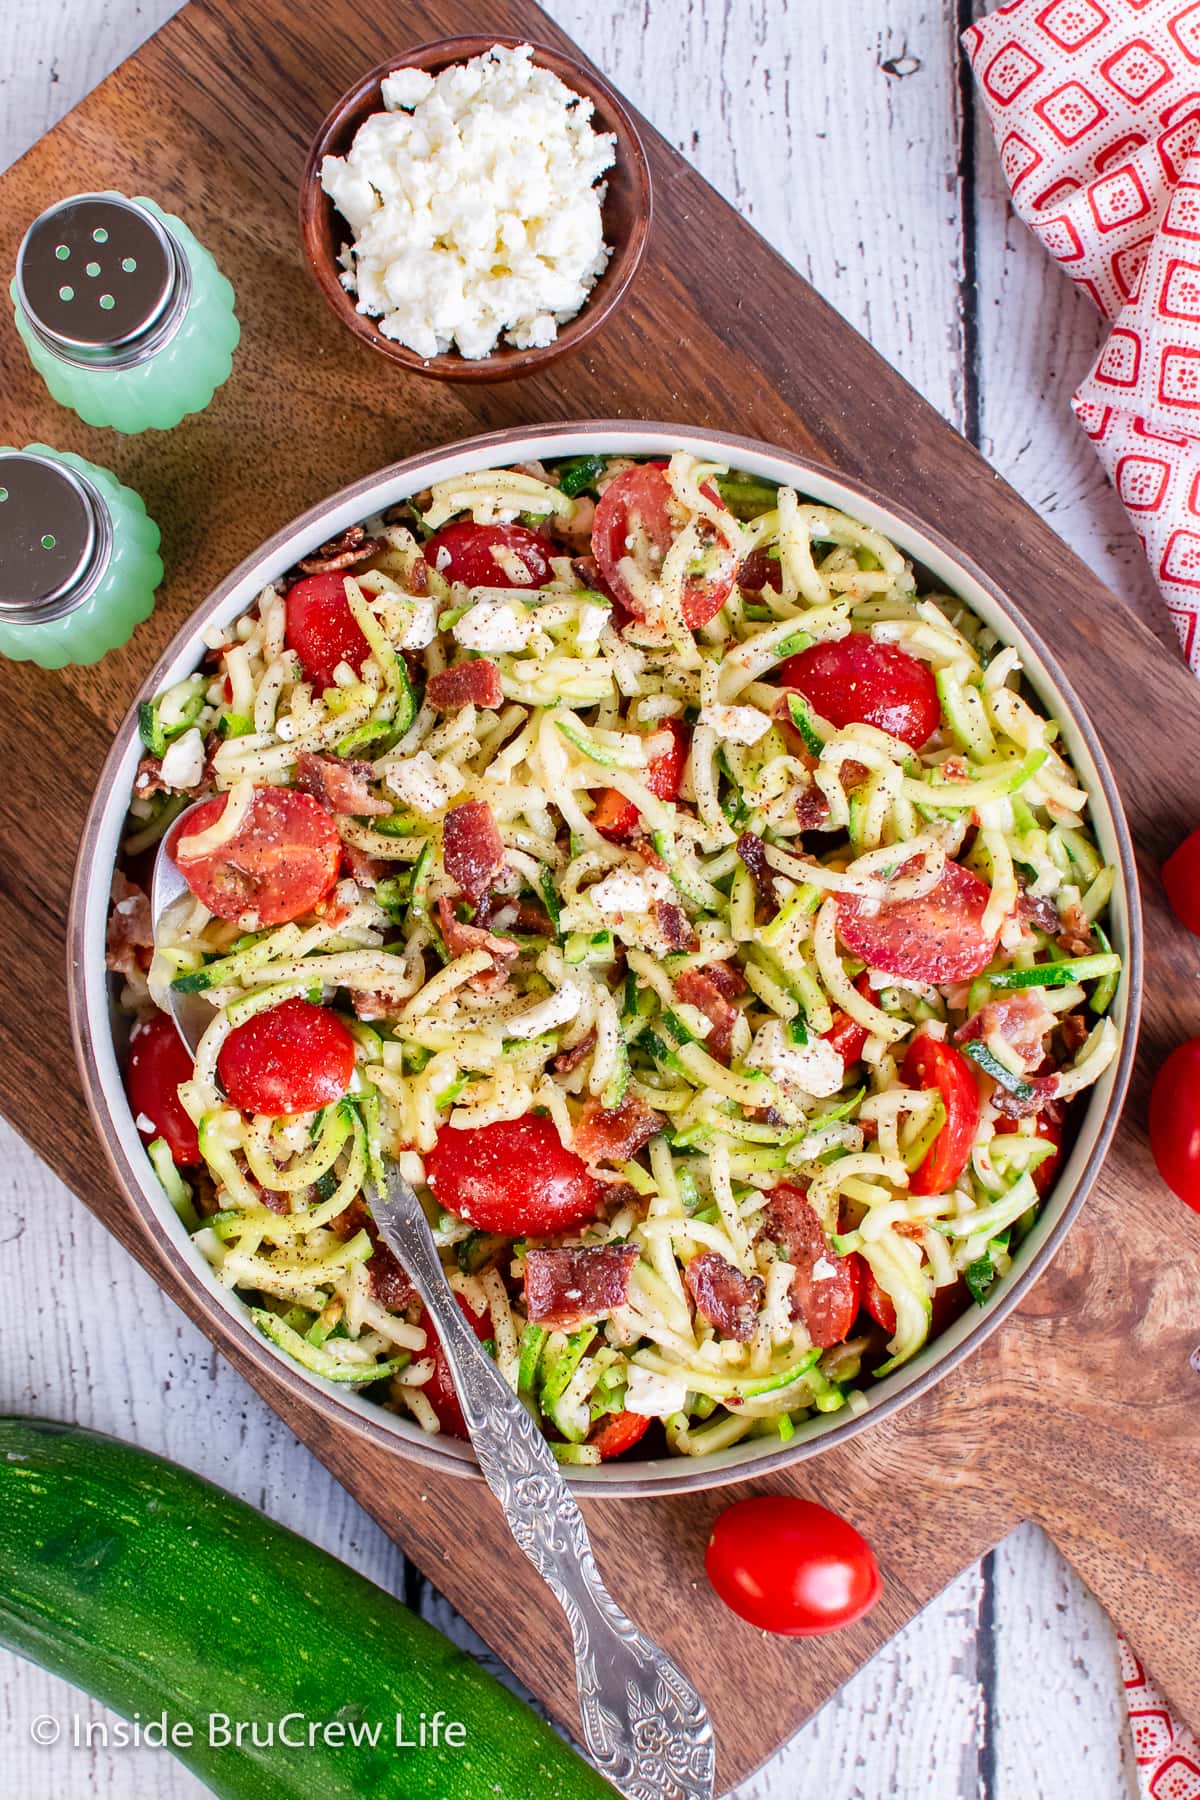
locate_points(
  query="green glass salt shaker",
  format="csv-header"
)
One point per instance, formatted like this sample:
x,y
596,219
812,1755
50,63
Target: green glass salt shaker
x,y
125,315
79,558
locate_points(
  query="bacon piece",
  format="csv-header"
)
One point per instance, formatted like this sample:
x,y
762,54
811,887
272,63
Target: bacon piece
x,y
1076,934
130,937
811,809
518,914
1039,910
568,1288
567,1060
1040,1099
472,849
1074,1030
366,870
673,926
1022,1019
340,787
342,552
461,939
698,988
753,853
826,1288
613,1135
474,683
390,1284
727,1298
727,978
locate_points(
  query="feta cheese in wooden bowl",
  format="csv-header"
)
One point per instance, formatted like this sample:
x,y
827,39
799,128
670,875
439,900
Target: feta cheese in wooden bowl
x,y
476,207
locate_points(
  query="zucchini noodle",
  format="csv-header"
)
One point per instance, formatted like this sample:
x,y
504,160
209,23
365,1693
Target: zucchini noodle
x,y
804,1001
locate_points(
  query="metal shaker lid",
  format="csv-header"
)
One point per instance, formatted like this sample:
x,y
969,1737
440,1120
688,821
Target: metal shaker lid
x,y
101,281
55,538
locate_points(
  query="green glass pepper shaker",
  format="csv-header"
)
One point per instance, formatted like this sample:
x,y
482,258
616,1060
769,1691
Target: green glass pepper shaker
x,y
125,315
79,558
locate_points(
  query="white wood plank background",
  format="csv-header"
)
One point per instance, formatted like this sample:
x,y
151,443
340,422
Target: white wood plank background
x,y
848,135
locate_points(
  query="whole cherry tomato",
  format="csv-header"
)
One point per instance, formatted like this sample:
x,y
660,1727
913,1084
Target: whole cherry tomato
x,y
292,1059
791,1567
321,629
1175,1122
489,555
616,817
439,1390
158,1063
1181,879
634,519
939,937
930,1063
282,859
513,1176
856,681
617,1433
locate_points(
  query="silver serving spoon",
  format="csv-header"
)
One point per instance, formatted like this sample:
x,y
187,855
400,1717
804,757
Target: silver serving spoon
x,y
644,1724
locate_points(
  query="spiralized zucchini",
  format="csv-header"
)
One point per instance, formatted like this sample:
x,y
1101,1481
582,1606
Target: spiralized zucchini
x,y
783,822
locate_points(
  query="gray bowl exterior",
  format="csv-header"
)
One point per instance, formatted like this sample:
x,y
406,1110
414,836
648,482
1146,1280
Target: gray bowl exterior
x,y
92,1022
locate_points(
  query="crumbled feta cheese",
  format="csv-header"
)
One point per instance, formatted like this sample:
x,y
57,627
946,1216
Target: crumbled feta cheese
x,y
592,620
736,724
823,1269
183,761
814,1068
145,1125
654,1396
423,784
421,628
475,205
495,626
625,892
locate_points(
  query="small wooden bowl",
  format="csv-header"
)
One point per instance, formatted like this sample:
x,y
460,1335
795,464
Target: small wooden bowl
x,y
627,210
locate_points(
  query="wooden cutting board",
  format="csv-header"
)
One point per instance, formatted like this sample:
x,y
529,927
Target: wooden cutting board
x,y
1081,1412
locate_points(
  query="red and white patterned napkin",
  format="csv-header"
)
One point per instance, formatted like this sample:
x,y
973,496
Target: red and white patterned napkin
x,y
1096,109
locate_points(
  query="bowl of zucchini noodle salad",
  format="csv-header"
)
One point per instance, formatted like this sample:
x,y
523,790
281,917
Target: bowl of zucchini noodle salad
x,y
688,872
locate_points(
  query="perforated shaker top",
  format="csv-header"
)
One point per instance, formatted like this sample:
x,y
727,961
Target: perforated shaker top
x,y
100,279
55,536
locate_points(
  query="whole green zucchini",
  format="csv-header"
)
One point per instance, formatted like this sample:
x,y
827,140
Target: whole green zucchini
x,y
160,1594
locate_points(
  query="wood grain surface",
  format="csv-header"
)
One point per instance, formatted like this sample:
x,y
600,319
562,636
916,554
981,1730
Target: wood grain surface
x,y
1063,1374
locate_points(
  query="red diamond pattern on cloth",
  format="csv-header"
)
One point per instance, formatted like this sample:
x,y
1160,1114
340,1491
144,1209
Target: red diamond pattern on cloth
x,y
1096,109
1166,1753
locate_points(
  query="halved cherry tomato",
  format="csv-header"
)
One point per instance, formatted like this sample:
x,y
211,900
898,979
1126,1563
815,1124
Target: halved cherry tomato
x,y
856,681
792,1567
826,1288
879,1304
847,1036
282,859
1175,1122
481,555
1181,879
321,629
439,1390
939,937
616,817
929,1063
292,1059
158,1063
619,1432
513,1176
1046,1173
634,518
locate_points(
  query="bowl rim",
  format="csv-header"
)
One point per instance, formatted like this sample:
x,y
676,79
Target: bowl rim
x,y
506,362
91,1027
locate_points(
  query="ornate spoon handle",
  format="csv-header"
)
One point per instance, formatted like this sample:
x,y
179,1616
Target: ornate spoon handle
x,y
644,1724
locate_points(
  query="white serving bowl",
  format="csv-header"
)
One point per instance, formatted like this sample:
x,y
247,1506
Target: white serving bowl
x,y
92,1012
